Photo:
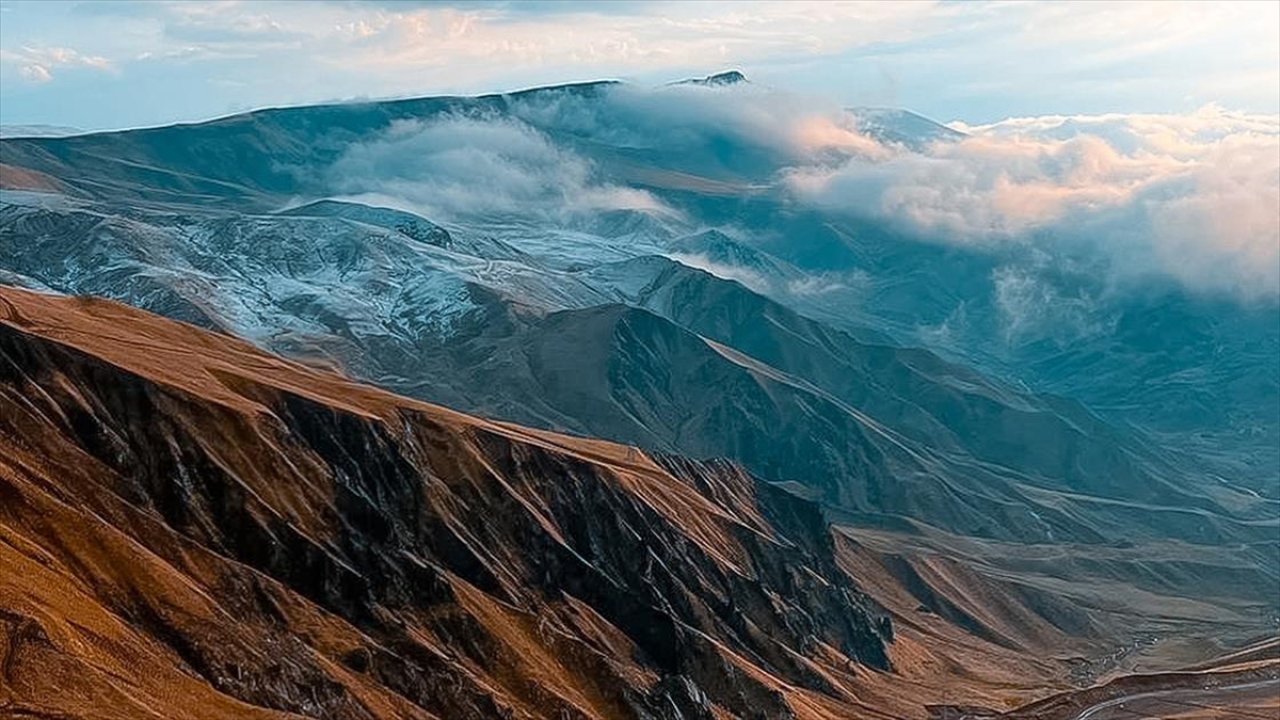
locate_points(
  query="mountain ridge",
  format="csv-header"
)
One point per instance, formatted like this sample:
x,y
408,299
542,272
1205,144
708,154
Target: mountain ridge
x,y
375,457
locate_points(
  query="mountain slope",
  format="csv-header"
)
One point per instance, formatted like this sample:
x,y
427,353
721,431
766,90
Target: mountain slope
x,y
192,528
184,511
1205,381
644,351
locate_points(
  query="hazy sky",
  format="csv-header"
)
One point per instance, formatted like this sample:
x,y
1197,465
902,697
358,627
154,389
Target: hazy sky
x,y
103,64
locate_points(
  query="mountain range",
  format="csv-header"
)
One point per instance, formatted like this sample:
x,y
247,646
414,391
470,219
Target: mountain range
x,y
708,453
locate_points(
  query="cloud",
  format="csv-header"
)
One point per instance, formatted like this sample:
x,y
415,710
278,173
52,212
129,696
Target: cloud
x,y
1195,197
620,37
749,279
36,73
826,283
521,162
1032,306
769,126
810,285
832,132
1190,197
488,166
37,64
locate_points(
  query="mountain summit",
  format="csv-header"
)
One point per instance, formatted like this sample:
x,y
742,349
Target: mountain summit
x,y
729,77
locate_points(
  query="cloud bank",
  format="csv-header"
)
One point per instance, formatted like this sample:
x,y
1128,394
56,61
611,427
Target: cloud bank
x,y
522,161
1195,197
460,167
689,117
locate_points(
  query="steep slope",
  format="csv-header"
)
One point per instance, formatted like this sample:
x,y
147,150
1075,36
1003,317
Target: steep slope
x,y
468,321
193,528
910,390
964,422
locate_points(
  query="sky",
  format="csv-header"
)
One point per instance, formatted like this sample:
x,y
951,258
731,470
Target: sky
x,y
107,65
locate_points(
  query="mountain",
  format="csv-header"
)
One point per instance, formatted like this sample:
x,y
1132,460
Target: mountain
x,y
644,351
203,530
15,131
895,125
1071,480
730,77
195,528
723,256
1085,340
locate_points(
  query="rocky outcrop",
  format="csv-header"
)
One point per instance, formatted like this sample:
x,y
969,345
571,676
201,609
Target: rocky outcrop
x,y
193,528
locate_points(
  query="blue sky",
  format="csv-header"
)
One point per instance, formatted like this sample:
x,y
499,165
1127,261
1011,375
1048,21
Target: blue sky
x,y
103,64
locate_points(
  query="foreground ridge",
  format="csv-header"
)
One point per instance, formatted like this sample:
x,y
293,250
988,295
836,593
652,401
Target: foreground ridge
x,y
194,528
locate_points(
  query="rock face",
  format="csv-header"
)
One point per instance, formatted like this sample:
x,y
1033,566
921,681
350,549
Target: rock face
x,y
193,528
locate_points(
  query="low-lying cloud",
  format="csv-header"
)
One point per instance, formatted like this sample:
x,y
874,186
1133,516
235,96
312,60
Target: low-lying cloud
x,y
790,127
475,165
1194,197
748,278
458,167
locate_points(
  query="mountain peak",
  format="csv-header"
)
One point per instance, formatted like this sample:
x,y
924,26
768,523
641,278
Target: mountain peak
x,y
729,77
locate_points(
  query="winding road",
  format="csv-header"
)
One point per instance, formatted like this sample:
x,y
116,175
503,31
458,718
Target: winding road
x,y
1259,699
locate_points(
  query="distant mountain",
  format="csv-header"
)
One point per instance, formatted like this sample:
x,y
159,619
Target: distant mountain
x,y
894,125
719,254
729,77
20,131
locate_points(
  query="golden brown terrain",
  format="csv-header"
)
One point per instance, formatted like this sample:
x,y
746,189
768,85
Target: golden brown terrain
x,y
192,528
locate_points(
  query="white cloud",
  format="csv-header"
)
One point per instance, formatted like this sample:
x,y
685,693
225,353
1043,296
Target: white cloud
x,y
490,165
1031,307
457,166
751,280
37,64
692,118
36,73
823,284
639,37
1217,227
1195,197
